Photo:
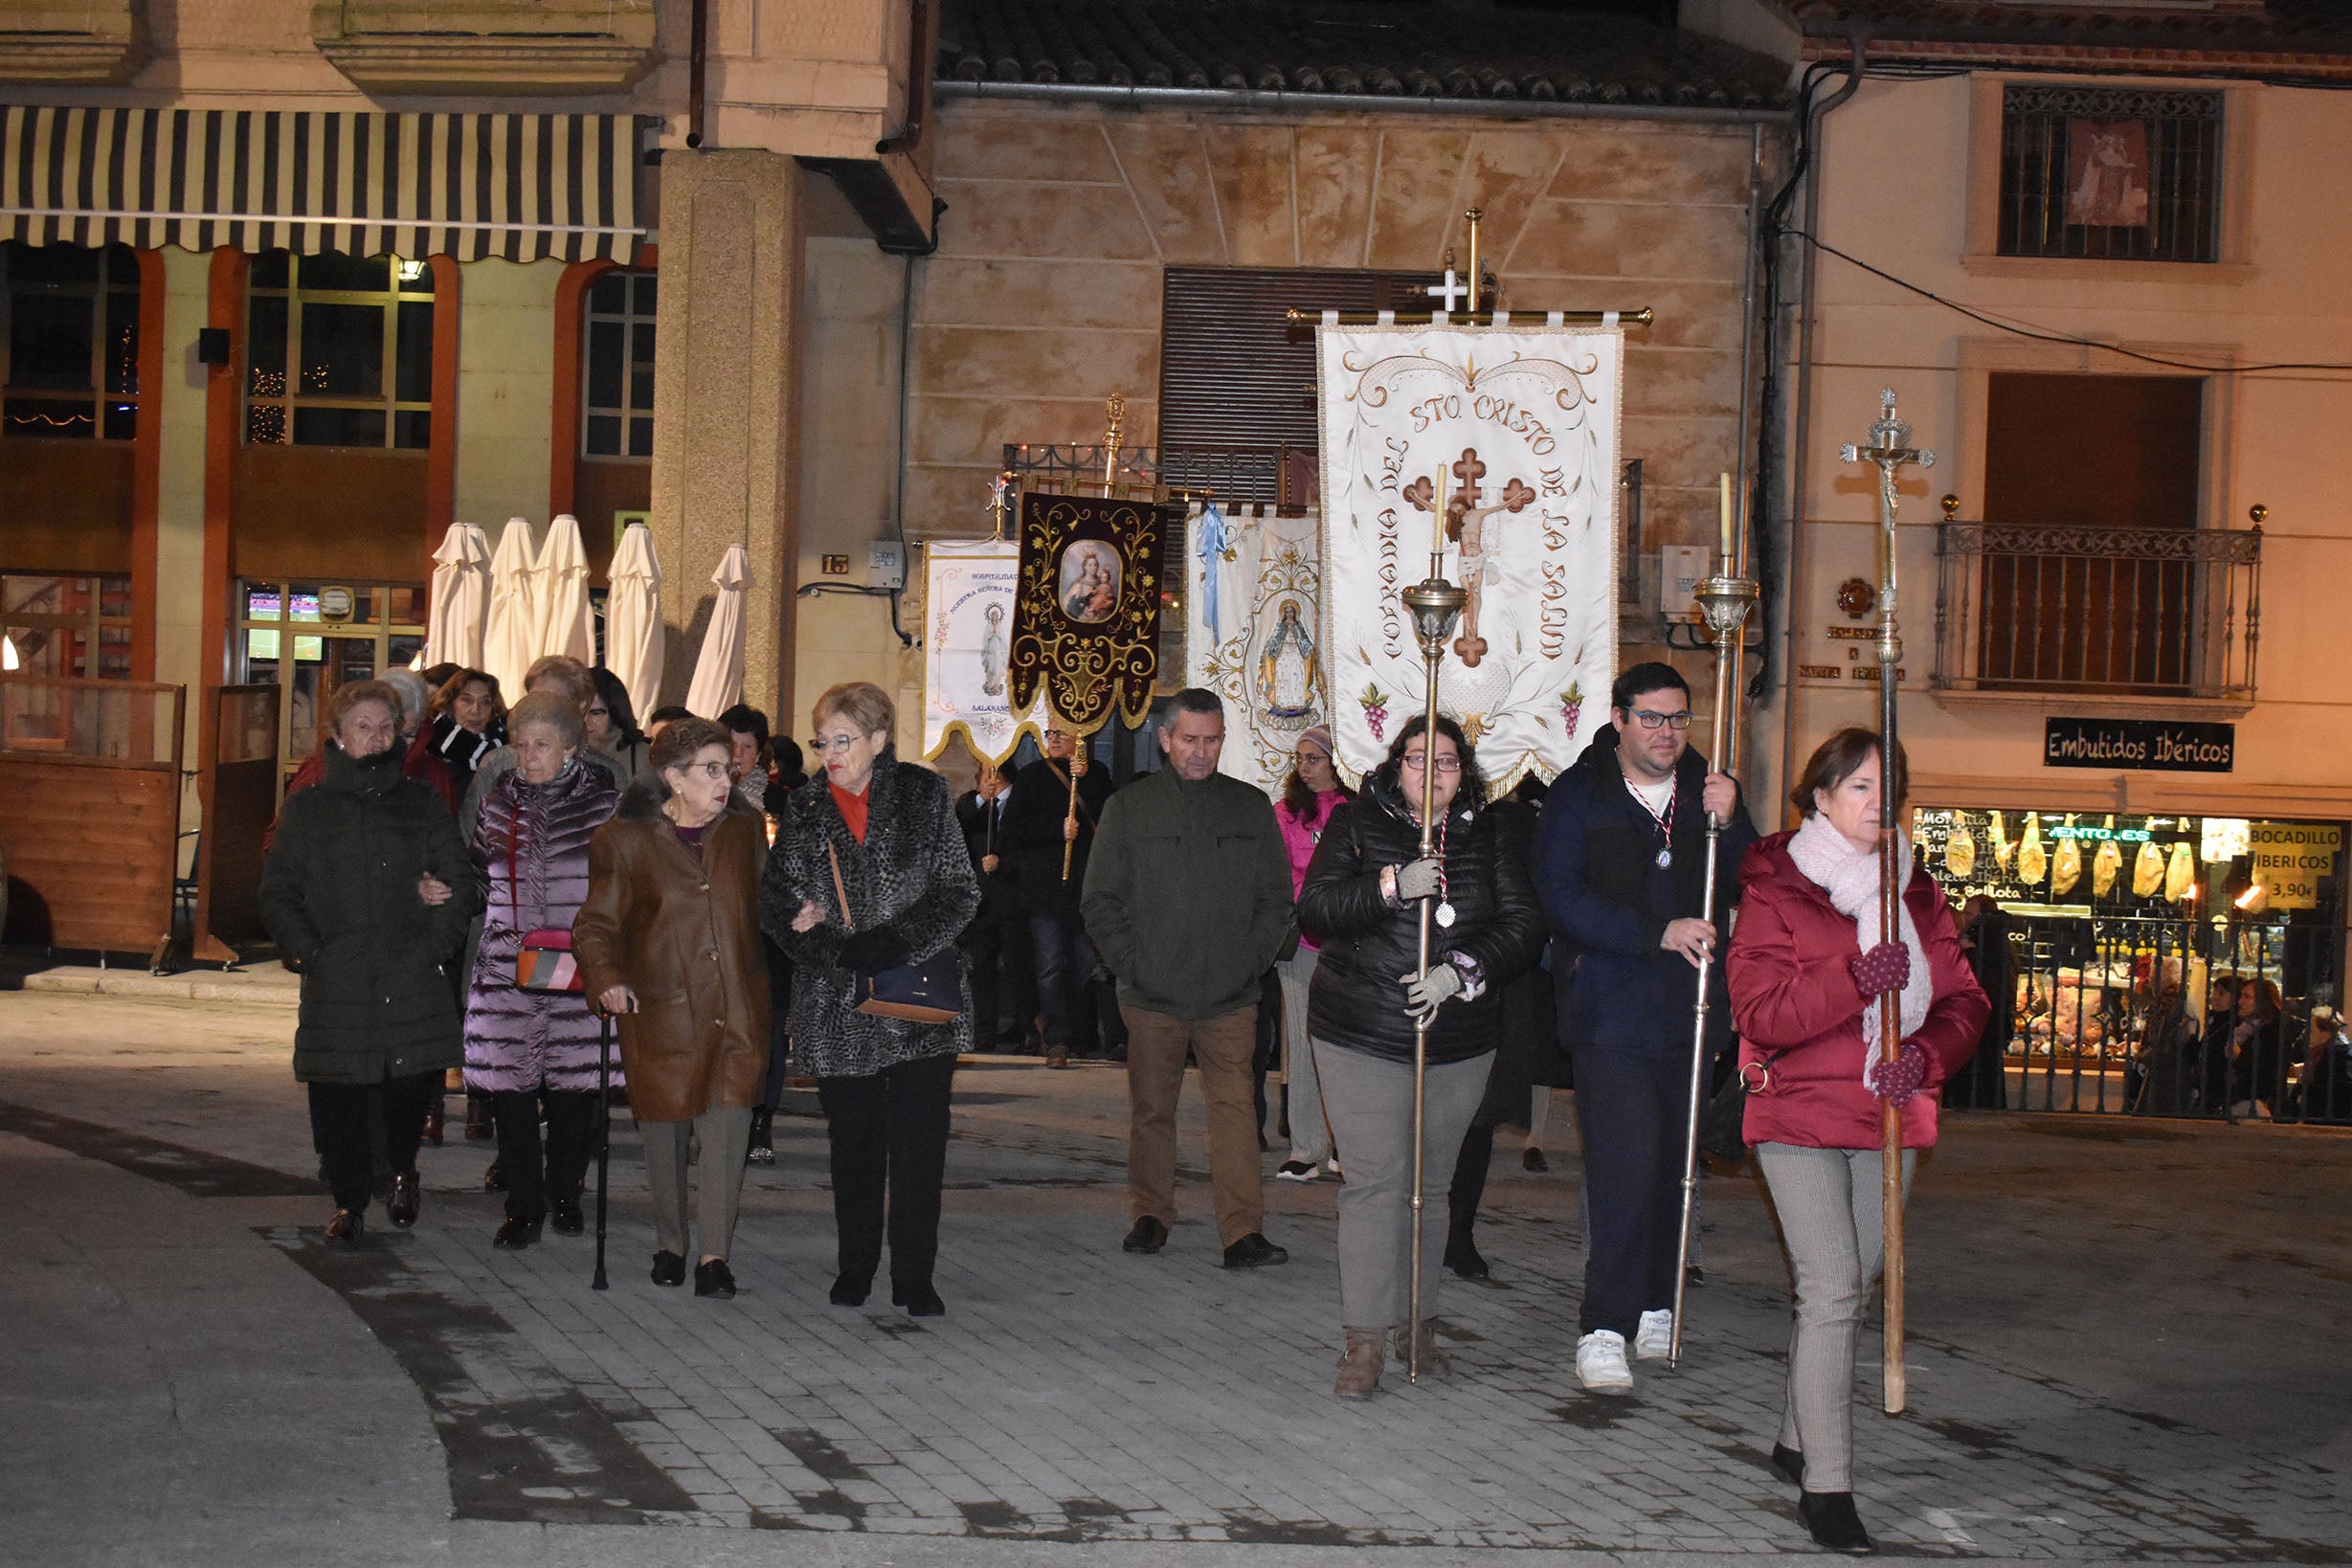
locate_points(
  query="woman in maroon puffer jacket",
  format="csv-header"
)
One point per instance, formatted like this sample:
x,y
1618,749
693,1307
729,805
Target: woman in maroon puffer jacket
x,y
1807,967
531,840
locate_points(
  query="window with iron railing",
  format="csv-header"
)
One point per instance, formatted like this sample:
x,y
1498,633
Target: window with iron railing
x,y
2165,612
2110,174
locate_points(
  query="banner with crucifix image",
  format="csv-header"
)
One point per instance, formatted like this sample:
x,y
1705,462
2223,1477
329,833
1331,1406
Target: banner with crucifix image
x,y
1498,444
1085,614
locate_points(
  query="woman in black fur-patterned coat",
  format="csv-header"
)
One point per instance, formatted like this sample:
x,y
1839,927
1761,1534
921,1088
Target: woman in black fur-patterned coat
x,y
891,829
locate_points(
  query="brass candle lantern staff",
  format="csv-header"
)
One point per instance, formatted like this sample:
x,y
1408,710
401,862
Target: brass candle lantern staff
x,y
1724,601
1435,605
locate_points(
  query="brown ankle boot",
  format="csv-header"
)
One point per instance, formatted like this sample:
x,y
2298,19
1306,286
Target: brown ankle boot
x,y
1434,1362
1360,1365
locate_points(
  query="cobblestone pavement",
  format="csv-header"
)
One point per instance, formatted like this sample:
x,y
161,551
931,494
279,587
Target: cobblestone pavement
x,y
1077,1395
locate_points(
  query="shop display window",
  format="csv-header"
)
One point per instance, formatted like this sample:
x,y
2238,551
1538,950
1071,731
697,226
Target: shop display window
x,y
308,638
2112,943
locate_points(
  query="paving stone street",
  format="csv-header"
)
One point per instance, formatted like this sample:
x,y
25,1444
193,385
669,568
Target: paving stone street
x,y
2127,1344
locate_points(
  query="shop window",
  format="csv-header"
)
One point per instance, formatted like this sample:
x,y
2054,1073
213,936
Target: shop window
x,y
617,413
78,628
69,334
2112,174
339,351
307,638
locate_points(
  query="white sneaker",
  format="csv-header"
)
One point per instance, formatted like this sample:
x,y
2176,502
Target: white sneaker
x,y
1654,1340
1600,1363
1298,1170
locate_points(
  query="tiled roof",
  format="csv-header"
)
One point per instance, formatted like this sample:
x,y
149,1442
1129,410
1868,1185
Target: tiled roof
x,y
2311,27
1351,50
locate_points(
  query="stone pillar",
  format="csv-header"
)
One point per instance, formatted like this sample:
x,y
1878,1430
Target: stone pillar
x,y
726,377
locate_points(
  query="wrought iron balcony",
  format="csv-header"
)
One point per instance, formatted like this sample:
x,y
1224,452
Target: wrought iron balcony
x,y
2148,613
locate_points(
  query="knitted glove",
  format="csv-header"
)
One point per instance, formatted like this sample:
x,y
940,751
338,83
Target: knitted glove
x,y
1896,1082
871,951
1886,967
1416,880
1424,994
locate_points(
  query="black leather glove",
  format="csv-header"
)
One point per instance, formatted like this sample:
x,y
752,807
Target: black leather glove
x,y
873,951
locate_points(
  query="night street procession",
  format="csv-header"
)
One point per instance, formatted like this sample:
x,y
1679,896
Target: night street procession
x,y
1041,783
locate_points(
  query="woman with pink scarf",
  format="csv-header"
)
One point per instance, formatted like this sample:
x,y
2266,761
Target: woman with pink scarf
x,y
1809,964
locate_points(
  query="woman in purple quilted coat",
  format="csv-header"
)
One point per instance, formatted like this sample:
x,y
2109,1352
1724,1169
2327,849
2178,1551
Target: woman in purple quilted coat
x,y
526,1049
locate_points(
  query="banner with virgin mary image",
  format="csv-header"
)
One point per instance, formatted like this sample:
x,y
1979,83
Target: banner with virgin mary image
x,y
1253,627
968,591
1085,616
1497,447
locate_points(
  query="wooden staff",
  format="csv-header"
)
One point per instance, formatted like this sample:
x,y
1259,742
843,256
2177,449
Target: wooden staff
x,y
1069,818
1889,449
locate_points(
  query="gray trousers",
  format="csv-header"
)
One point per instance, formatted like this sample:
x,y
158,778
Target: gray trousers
x,y
1310,1137
1832,1217
1370,1101
725,1135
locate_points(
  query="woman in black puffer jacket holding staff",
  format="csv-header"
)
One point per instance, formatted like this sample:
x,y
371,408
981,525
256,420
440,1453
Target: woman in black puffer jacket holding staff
x,y
1361,900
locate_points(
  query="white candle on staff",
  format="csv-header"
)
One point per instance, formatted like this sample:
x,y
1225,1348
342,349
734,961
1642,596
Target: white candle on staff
x,y
1727,520
1437,523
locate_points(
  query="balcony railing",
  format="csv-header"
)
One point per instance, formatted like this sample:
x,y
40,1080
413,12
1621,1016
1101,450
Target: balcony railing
x,y
2158,613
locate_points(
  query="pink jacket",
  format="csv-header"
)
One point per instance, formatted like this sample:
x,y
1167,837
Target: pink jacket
x,y
1300,839
1800,1018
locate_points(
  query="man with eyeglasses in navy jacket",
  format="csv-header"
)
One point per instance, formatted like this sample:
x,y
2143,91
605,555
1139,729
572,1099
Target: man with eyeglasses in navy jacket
x,y
1621,860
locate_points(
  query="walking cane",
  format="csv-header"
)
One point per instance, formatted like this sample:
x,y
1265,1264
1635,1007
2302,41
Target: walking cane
x,y
1889,449
604,1133
1435,604
1724,599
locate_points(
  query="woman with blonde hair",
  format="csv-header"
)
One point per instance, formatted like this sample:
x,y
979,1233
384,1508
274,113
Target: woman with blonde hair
x,y
869,872
668,942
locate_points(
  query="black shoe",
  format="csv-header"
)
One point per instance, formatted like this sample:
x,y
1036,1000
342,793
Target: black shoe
x,y
848,1291
1533,1160
407,1195
516,1232
1694,1276
762,1150
1254,1251
713,1278
669,1268
1789,1465
494,1179
478,1127
348,1225
1831,1518
1462,1257
1148,1236
564,1214
919,1300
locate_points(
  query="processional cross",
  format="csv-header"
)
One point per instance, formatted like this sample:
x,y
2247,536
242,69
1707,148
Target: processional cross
x,y
1890,448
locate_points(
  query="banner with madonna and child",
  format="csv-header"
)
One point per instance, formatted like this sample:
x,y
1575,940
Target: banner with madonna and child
x,y
1512,430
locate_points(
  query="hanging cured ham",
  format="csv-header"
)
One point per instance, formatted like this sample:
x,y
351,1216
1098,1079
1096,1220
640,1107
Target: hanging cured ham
x,y
2148,871
2069,870
2105,865
1959,852
2004,851
2032,858
2181,875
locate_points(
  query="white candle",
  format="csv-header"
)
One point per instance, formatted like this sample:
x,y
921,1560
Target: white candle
x,y
1437,531
1727,523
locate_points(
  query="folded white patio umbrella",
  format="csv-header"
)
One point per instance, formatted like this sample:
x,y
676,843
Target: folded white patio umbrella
x,y
633,620
718,672
562,586
508,638
460,598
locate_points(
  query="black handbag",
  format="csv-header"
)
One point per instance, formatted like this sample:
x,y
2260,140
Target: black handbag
x,y
1723,1134
928,992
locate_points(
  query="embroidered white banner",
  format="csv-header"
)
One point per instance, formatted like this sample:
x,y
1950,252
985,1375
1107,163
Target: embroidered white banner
x,y
968,624
1253,630
1519,426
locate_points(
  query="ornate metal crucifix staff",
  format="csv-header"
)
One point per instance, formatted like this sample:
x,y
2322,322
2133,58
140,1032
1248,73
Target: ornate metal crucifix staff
x,y
1890,448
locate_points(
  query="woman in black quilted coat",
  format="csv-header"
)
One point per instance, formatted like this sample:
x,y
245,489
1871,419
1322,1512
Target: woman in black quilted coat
x,y
891,827
1361,899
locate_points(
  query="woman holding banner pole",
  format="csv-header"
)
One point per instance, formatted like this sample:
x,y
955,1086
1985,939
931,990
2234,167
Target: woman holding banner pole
x,y
1810,966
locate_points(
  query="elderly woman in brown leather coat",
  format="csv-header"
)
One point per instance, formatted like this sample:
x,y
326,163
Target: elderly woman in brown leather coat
x,y
669,942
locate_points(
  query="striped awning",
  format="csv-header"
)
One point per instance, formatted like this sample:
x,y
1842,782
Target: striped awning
x,y
519,187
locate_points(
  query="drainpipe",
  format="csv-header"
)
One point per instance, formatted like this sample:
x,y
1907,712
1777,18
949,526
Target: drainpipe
x,y
698,62
918,69
1801,440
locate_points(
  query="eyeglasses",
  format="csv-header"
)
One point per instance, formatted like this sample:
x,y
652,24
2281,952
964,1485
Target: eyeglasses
x,y
1445,765
708,770
1655,720
824,745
